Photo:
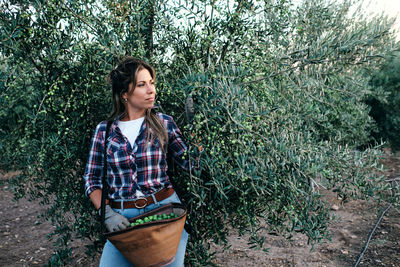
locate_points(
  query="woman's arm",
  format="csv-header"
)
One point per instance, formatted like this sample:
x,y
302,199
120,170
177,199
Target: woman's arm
x,y
176,146
95,162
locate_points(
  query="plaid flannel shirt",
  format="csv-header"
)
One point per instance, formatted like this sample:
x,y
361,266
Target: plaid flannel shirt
x,y
132,167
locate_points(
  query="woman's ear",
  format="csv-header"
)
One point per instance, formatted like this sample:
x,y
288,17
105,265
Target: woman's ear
x,y
130,89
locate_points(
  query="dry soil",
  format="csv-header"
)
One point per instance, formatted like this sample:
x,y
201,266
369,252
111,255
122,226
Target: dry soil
x,y
23,240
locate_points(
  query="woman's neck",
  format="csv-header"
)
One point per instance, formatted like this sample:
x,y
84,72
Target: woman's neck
x,y
129,116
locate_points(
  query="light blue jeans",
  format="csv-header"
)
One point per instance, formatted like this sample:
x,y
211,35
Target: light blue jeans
x,y
112,257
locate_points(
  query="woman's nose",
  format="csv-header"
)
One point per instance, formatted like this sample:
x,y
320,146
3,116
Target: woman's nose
x,y
151,89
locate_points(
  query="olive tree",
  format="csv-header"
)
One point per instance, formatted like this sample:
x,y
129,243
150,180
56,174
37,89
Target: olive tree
x,y
385,102
278,110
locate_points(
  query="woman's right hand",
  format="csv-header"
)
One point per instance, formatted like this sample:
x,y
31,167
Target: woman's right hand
x,y
114,221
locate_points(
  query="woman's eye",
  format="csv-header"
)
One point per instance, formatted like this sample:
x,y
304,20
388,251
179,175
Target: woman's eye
x,y
140,85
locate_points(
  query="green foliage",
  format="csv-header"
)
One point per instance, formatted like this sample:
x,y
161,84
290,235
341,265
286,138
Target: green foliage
x,y
278,93
385,104
260,160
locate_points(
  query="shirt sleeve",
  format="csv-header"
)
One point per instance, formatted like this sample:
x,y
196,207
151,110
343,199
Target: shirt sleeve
x,y
176,146
94,166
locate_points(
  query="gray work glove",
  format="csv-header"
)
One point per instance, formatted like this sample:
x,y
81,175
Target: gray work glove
x,y
114,221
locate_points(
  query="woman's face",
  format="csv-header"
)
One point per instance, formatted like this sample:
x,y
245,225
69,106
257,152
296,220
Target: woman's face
x,y
143,95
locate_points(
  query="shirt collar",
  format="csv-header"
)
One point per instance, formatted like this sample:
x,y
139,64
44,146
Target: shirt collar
x,y
114,129
114,124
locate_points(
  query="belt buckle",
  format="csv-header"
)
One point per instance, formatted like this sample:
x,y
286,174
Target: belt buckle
x,y
140,198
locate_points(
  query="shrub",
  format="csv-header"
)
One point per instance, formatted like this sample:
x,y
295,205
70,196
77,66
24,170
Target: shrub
x,y
385,103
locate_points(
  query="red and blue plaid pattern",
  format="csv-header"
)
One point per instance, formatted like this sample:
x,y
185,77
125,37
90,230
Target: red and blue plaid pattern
x,y
132,167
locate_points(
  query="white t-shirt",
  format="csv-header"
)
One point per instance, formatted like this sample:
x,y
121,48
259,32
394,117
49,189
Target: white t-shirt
x,y
131,130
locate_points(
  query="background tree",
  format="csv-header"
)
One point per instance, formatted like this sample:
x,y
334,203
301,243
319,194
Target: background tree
x,y
278,93
385,103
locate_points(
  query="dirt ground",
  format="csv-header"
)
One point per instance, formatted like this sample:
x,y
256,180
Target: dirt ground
x,y
23,239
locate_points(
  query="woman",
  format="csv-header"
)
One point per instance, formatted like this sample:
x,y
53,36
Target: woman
x,y
138,144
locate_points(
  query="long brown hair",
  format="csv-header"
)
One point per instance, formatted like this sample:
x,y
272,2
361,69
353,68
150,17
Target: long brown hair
x,y
120,78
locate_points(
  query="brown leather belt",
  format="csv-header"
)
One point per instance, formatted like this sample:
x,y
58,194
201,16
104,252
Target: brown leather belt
x,y
142,202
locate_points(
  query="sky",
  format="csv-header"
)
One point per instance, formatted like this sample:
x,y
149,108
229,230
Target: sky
x,y
389,7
